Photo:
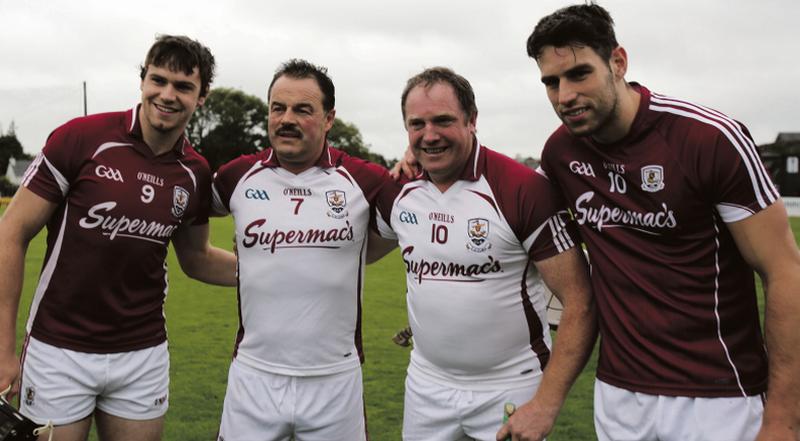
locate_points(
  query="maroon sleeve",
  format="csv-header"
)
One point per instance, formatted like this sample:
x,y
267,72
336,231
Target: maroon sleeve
x,y
547,161
376,184
228,176
533,207
731,169
58,164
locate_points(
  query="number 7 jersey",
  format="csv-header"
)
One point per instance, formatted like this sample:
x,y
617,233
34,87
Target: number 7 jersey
x,y
301,242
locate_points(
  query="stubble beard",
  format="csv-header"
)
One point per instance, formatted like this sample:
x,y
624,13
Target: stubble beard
x,y
606,112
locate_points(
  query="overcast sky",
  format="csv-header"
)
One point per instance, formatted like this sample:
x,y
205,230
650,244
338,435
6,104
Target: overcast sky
x,y
738,56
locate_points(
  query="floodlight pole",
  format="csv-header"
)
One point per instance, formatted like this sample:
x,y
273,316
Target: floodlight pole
x,y
84,98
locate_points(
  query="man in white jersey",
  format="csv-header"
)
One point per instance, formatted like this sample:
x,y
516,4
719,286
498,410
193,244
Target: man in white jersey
x,y
677,211
478,232
113,189
302,211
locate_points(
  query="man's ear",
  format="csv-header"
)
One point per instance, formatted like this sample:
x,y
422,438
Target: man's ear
x,y
619,62
329,119
473,123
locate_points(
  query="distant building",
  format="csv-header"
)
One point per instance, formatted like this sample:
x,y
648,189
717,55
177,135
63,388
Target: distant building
x,y
527,161
782,160
16,169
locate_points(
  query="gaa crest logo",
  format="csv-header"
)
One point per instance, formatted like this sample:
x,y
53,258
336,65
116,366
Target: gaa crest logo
x,y
478,233
180,200
652,178
337,202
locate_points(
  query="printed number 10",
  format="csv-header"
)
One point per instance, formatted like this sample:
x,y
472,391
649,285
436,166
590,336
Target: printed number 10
x,y
438,233
618,184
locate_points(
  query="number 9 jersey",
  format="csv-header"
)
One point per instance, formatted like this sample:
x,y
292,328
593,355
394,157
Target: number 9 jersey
x,y
103,283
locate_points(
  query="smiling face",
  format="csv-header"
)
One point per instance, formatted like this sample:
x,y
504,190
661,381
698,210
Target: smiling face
x,y
169,99
584,89
298,122
439,132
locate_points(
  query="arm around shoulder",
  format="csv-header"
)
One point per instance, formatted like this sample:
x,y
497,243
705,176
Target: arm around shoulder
x,y
202,261
377,247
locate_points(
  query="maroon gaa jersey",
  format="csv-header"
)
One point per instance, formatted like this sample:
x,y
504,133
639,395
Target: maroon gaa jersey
x,y
104,280
677,303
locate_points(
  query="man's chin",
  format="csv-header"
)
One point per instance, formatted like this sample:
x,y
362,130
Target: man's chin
x,y
580,130
159,127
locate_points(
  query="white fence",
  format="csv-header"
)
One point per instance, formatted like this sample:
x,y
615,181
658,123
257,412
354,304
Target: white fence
x,y
792,206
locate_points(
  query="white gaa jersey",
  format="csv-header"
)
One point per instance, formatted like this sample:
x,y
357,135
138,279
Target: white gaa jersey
x,y
301,247
476,303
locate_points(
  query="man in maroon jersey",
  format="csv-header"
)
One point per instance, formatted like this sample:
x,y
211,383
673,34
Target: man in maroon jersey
x,y
113,190
676,211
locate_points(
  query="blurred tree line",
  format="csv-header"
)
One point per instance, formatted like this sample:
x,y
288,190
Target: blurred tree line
x,y
10,147
232,123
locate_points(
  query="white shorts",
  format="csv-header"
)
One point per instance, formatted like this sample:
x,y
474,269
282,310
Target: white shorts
x,y
272,407
66,386
620,414
441,413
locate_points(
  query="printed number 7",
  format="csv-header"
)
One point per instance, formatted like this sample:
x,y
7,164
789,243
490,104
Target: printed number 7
x,y
297,207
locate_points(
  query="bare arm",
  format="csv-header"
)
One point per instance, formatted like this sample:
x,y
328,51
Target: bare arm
x,y
23,219
567,277
767,244
201,261
377,247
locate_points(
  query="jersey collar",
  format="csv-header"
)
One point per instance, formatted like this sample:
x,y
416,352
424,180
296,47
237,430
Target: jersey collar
x,y
134,128
329,158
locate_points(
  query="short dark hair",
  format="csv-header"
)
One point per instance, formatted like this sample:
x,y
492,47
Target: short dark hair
x,y
434,75
577,25
300,69
180,53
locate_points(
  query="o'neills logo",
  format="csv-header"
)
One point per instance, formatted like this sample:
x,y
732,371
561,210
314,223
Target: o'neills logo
x,y
112,226
607,217
448,271
254,235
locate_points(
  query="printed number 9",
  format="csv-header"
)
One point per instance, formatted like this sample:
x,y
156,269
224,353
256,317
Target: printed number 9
x,y
148,193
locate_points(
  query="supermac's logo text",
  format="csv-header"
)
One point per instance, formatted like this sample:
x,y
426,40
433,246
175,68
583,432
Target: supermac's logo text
x,y
101,217
609,217
426,270
257,234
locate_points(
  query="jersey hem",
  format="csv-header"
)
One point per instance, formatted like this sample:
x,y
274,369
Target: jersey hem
x,y
689,390
474,384
91,348
293,371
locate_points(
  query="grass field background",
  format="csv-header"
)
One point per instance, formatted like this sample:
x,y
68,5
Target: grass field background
x,y
202,321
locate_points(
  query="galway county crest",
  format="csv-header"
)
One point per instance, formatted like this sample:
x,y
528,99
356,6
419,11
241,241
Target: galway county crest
x,y
180,200
337,201
478,233
652,178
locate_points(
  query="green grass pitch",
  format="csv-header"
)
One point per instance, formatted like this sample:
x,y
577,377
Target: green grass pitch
x,y
202,321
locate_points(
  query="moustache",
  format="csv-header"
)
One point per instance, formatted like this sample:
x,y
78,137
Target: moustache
x,y
288,131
